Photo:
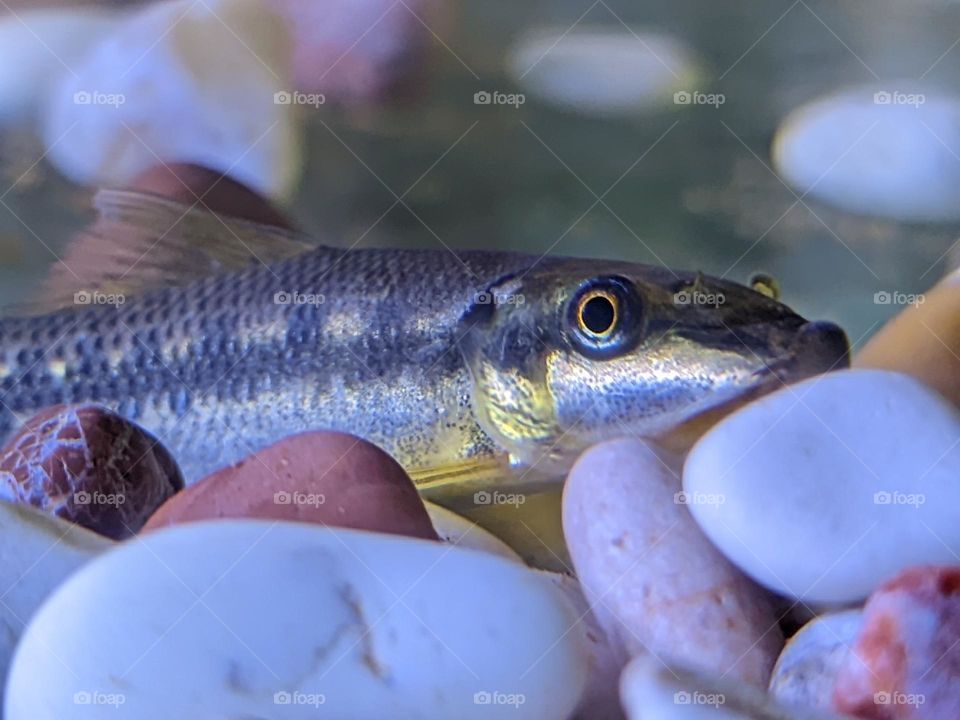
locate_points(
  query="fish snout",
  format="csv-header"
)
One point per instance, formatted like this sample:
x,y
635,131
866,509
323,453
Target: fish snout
x,y
818,347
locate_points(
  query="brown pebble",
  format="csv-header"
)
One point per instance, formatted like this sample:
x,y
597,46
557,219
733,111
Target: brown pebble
x,y
88,465
317,477
210,190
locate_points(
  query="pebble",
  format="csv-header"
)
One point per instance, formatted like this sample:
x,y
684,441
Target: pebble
x,y
356,51
192,184
458,530
320,477
653,579
905,664
922,340
525,518
830,487
882,151
88,465
202,83
36,47
807,668
233,618
605,655
653,689
605,72
37,552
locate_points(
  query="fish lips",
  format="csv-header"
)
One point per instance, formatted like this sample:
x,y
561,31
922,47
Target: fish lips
x,y
817,347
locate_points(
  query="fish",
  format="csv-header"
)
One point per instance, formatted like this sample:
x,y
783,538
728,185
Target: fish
x,y
474,369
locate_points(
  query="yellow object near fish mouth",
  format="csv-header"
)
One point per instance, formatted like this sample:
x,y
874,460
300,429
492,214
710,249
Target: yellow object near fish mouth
x,y
470,369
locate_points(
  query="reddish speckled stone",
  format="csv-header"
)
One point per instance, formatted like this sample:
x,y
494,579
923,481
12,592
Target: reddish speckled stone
x,y
86,464
320,477
906,661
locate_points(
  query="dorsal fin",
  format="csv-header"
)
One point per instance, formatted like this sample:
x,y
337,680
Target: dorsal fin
x,y
143,242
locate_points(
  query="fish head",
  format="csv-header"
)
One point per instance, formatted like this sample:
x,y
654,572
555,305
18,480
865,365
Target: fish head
x,y
572,352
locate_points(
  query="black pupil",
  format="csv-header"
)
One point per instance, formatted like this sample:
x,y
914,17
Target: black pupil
x,y
598,314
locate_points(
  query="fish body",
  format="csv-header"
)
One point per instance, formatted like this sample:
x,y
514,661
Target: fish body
x,y
445,360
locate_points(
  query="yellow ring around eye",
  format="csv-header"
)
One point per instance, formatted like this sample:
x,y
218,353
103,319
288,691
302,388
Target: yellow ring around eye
x,y
608,313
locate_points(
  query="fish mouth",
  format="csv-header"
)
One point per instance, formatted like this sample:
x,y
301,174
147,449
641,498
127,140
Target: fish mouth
x,y
817,347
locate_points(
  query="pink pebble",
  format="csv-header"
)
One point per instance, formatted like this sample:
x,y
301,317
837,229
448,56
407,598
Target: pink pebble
x,y
354,50
653,580
906,661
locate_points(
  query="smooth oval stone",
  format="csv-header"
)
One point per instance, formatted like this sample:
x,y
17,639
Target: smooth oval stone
x,y
832,485
203,83
605,656
922,340
88,465
653,579
876,151
320,477
37,553
38,46
233,618
458,530
653,689
905,664
807,668
602,70
356,51
193,184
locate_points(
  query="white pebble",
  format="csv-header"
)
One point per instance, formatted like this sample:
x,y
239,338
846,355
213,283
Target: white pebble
x,y
181,82
38,47
460,531
833,485
603,71
654,690
807,668
233,618
876,151
37,553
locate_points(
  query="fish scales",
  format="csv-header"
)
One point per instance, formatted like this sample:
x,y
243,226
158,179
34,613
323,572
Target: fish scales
x,y
361,341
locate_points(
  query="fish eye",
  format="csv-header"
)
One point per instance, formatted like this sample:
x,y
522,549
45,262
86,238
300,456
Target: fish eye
x,y
603,317
597,312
